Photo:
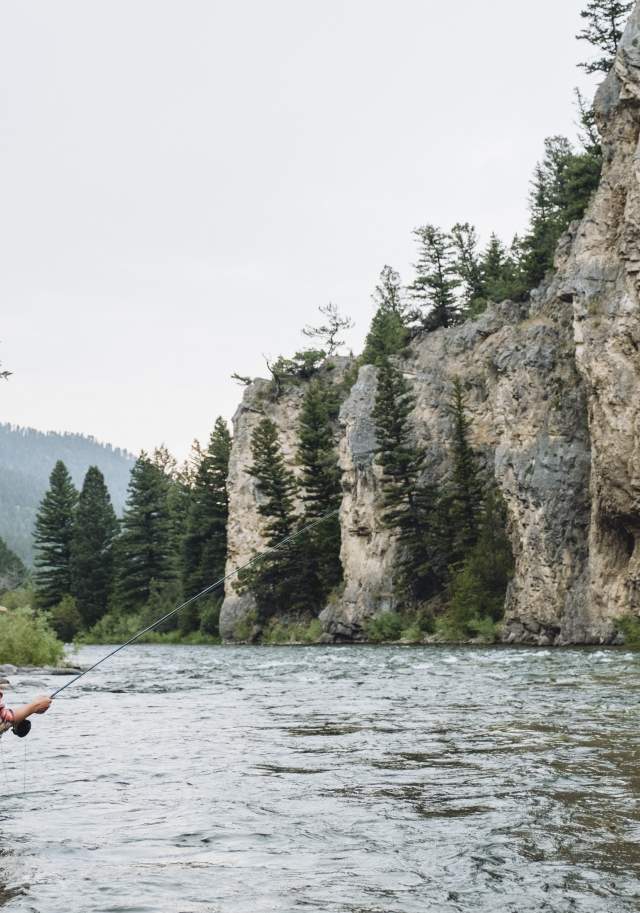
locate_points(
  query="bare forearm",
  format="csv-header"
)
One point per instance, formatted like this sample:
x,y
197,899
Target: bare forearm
x,y
40,705
21,713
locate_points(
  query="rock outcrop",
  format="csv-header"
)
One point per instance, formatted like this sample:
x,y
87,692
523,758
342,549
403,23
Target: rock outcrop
x,y
553,392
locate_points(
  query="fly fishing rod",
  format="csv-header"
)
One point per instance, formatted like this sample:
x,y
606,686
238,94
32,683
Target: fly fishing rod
x,y
192,599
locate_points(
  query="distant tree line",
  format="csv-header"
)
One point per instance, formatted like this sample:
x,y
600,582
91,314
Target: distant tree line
x,y
95,573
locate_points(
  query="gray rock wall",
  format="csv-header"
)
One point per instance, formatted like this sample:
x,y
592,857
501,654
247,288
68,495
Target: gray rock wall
x,y
553,392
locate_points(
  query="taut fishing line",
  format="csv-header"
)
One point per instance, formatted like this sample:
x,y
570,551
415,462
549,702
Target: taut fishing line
x,y
199,595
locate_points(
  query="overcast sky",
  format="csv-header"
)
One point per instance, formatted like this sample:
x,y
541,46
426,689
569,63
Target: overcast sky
x,y
182,184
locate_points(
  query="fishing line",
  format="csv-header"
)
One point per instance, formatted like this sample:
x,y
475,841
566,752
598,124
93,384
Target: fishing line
x,y
4,766
199,595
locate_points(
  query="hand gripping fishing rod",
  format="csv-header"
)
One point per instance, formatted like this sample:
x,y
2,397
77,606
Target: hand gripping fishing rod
x,y
199,595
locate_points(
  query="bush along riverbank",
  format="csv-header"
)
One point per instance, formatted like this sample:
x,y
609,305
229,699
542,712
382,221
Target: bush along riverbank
x,y
26,639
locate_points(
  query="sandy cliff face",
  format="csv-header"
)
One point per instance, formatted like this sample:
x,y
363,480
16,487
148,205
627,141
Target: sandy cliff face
x,y
553,392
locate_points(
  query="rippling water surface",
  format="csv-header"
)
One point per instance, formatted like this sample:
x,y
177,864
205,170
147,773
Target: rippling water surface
x,y
346,780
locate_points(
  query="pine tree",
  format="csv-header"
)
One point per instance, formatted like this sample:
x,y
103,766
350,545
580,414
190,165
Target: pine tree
x,y
466,486
144,548
281,581
13,573
320,485
205,544
480,583
92,561
563,184
469,269
605,21
434,288
53,535
407,505
388,331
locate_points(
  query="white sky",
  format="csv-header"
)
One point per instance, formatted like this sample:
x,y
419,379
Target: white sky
x,y
183,183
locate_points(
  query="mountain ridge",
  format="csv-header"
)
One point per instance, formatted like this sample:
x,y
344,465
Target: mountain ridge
x,y
27,456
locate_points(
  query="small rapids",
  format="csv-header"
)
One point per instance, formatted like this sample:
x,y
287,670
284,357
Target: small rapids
x,y
328,780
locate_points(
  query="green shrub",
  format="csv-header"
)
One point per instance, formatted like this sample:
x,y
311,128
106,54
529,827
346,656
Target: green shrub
x,y
413,634
65,619
629,627
385,627
18,599
293,633
210,617
27,640
485,629
113,628
116,627
243,630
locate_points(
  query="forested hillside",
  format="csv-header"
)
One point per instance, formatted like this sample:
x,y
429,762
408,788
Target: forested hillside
x,y
27,457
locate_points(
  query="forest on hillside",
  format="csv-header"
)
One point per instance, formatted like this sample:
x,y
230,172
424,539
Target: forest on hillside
x,y
27,457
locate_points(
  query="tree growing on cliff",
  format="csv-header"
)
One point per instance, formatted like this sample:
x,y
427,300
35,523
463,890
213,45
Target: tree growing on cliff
x,y
92,561
408,506
434,287
500,273
388,332
468,268
328,333
479,584
204,548
320,485
144,550
562,186
466,484
53,537
604,26
281,581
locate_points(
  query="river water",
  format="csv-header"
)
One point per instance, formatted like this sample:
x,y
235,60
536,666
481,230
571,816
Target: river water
x,y
341,780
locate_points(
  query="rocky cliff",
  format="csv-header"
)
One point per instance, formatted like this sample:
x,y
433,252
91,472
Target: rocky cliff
x,y
553,392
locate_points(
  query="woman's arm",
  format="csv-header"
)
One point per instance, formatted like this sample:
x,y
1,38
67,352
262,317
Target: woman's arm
x,y
39,705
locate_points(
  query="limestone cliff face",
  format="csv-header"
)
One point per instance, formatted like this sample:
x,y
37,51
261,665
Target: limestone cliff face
x,y
244,530
553,393
529,420
244,534
603,277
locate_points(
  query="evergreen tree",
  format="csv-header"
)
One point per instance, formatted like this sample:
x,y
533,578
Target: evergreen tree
x,y
92,563
144,548
466,486
469,269
320,484
434,288
563,184
604,27
53,535
281,581
408,506
479,585
205,544
13,573
388,331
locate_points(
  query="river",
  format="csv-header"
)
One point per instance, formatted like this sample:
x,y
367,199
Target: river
x,y
328,780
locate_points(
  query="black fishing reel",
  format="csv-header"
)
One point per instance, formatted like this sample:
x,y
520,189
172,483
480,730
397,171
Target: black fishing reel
x,y
22,729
